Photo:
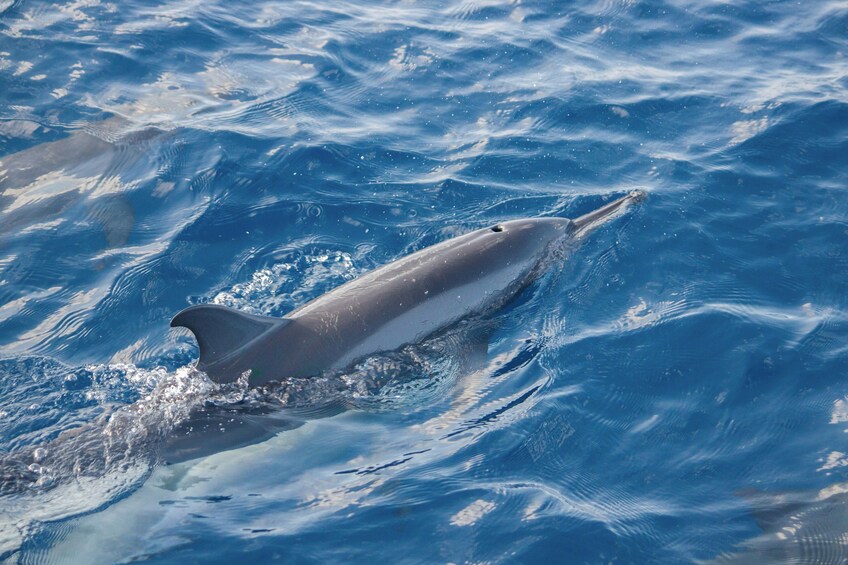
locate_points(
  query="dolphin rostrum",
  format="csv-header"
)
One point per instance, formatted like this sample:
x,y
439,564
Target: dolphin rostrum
x,y
394,305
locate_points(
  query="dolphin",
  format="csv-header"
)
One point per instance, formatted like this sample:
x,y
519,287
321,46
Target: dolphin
x,y
801,527
399,303
38,184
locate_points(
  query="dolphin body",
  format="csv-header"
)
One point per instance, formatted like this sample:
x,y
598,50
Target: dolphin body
x,y
399,303
38,184
799,527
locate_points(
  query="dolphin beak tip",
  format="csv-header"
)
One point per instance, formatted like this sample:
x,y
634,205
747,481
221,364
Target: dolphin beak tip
x,y
638,195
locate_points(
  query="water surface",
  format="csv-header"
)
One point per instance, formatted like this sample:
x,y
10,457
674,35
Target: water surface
x,y
676,390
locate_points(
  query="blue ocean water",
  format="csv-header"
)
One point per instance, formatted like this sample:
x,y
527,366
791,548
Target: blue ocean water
x,y
676,390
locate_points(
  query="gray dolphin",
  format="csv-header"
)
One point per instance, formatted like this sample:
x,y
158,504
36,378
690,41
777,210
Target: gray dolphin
x,y
799,527
38,184
396,304
400,303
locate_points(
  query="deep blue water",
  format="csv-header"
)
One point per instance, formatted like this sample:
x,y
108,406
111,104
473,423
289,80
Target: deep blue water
x,y
676,390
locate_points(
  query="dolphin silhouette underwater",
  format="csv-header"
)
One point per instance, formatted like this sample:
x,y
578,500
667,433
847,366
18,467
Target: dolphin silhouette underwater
x,y
800,527
399,303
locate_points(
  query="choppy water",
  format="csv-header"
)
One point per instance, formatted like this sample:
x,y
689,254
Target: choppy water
x,y
677,390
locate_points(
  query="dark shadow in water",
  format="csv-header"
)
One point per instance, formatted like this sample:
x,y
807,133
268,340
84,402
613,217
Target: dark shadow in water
x,y
801,527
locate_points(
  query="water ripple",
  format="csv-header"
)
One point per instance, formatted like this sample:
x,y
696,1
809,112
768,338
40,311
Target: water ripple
x,y
671,390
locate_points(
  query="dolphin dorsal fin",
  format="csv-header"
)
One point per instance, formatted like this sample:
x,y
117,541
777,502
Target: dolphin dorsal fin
x,y
220,330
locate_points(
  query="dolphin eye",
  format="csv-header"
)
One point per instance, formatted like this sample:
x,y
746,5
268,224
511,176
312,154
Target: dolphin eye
x,y
497,228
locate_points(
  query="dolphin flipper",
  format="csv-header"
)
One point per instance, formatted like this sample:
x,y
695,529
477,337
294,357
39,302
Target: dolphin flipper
x,y
221,331
476,351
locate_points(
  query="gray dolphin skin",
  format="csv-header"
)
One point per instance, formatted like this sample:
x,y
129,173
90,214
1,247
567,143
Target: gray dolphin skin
x,y
399,303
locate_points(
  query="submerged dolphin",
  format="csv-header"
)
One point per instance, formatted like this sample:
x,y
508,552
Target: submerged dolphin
x,y
799,527
38,184
394,305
